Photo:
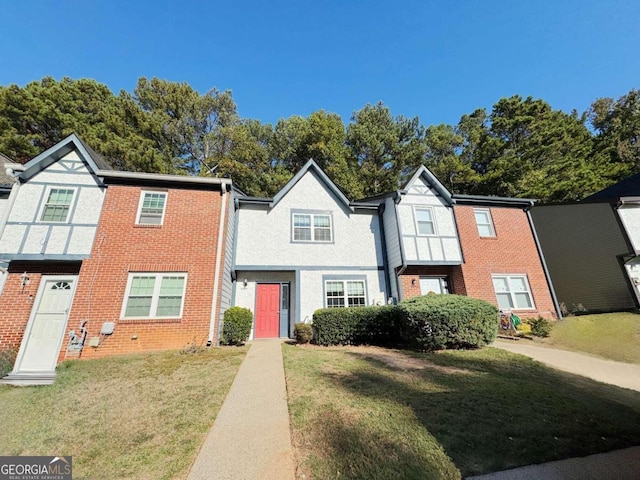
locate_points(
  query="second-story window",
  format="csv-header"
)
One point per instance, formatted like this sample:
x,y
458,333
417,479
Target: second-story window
x,y
425,223
151,208
312,227
484,222
58,204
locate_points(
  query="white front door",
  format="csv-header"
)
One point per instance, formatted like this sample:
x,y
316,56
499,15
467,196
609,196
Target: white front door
x,y
433,284
43,336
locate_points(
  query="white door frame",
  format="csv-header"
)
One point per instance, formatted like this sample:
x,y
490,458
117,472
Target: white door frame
x,y
34,308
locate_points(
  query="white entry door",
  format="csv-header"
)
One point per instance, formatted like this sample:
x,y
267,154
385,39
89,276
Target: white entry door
x,y
433,285
43,336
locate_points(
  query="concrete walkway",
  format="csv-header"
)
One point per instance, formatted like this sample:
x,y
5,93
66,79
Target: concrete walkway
x,y
624,375
618,465
250,438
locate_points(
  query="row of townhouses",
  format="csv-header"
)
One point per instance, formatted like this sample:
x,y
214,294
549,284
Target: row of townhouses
x,y
99,262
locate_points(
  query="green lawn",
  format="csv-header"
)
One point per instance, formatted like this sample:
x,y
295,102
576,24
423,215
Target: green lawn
x,y
615,336
370,413
142,416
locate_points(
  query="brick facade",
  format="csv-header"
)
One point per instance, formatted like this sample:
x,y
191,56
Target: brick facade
x,y
410,279
511,251
185,242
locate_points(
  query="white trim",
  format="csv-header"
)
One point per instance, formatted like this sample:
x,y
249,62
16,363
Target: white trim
x,y
44,279
443,279
491,225
433,220
511,292
312,228
155,294
45,201
143,193
345,296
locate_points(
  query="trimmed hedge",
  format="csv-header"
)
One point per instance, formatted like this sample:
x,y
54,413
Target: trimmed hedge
x,y
236,325
437,322
355,326
302,332
430,322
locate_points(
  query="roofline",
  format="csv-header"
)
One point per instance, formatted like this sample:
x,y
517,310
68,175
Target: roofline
x,y
161,177
433,180
490,200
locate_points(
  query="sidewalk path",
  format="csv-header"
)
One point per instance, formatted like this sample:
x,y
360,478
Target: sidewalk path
x,y
250,438
624,375
618,465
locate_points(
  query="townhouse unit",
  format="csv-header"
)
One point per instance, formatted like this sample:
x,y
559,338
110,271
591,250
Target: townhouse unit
x,y
306,248
592,248
481,246
103,262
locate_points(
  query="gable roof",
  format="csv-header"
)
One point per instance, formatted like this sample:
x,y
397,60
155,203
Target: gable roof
x,y
425,173
59,150
312,166
629,187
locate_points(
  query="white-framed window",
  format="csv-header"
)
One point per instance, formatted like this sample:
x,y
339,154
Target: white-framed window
x,y
151,208
56,208
425,221
312,227
484,222
513,292
154,295
344,293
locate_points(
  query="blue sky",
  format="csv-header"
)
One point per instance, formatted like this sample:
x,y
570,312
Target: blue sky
x,y
436,60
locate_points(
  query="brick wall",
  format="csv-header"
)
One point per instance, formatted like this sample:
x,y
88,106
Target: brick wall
x,y
17,301
186,242
453,274
512,250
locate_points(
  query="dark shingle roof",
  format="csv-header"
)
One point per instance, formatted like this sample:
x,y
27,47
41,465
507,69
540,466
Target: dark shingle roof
x,y
629,187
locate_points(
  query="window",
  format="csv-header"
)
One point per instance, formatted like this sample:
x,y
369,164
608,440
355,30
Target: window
x,y
58,204
512,292
345,293
154,295
425,224
312,227
151,208
484,222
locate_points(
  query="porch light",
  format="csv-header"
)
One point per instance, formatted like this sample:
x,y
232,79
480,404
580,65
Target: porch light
x,y
245,283
24,279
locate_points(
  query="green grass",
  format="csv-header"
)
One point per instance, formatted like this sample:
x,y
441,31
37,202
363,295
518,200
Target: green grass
x,y
368,413
142,416
615,336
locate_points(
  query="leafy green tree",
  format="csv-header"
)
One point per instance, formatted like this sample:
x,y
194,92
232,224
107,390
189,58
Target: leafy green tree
x,y
386,149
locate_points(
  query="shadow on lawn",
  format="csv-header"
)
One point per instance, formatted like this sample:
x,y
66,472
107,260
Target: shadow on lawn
x,y
491,411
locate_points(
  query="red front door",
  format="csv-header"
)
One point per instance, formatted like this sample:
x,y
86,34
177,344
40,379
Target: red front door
x,y
267,310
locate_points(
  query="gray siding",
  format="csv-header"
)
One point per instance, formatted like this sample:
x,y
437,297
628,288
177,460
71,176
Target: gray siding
x,y
227,284
581,244
392,241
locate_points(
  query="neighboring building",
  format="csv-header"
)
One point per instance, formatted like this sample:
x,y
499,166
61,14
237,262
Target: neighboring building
x,y
592,248
104,262
483,247
50,225
306,248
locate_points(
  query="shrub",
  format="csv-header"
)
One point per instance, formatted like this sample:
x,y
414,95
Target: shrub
x,y
435,322
303,332
237,325
540,327
7,359
355,326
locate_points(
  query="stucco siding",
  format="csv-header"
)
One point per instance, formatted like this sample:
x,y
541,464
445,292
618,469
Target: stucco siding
x,y
26,234
265,236
630,217
443,245
581,244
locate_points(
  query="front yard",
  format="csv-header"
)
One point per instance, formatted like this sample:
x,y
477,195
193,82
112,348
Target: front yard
x,y
364,412
136,416
615,336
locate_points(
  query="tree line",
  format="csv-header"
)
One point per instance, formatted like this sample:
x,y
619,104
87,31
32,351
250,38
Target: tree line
x,y
521,148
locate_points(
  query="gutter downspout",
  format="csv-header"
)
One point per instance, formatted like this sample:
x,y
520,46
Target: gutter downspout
x,y
216,281
396,201
544,262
